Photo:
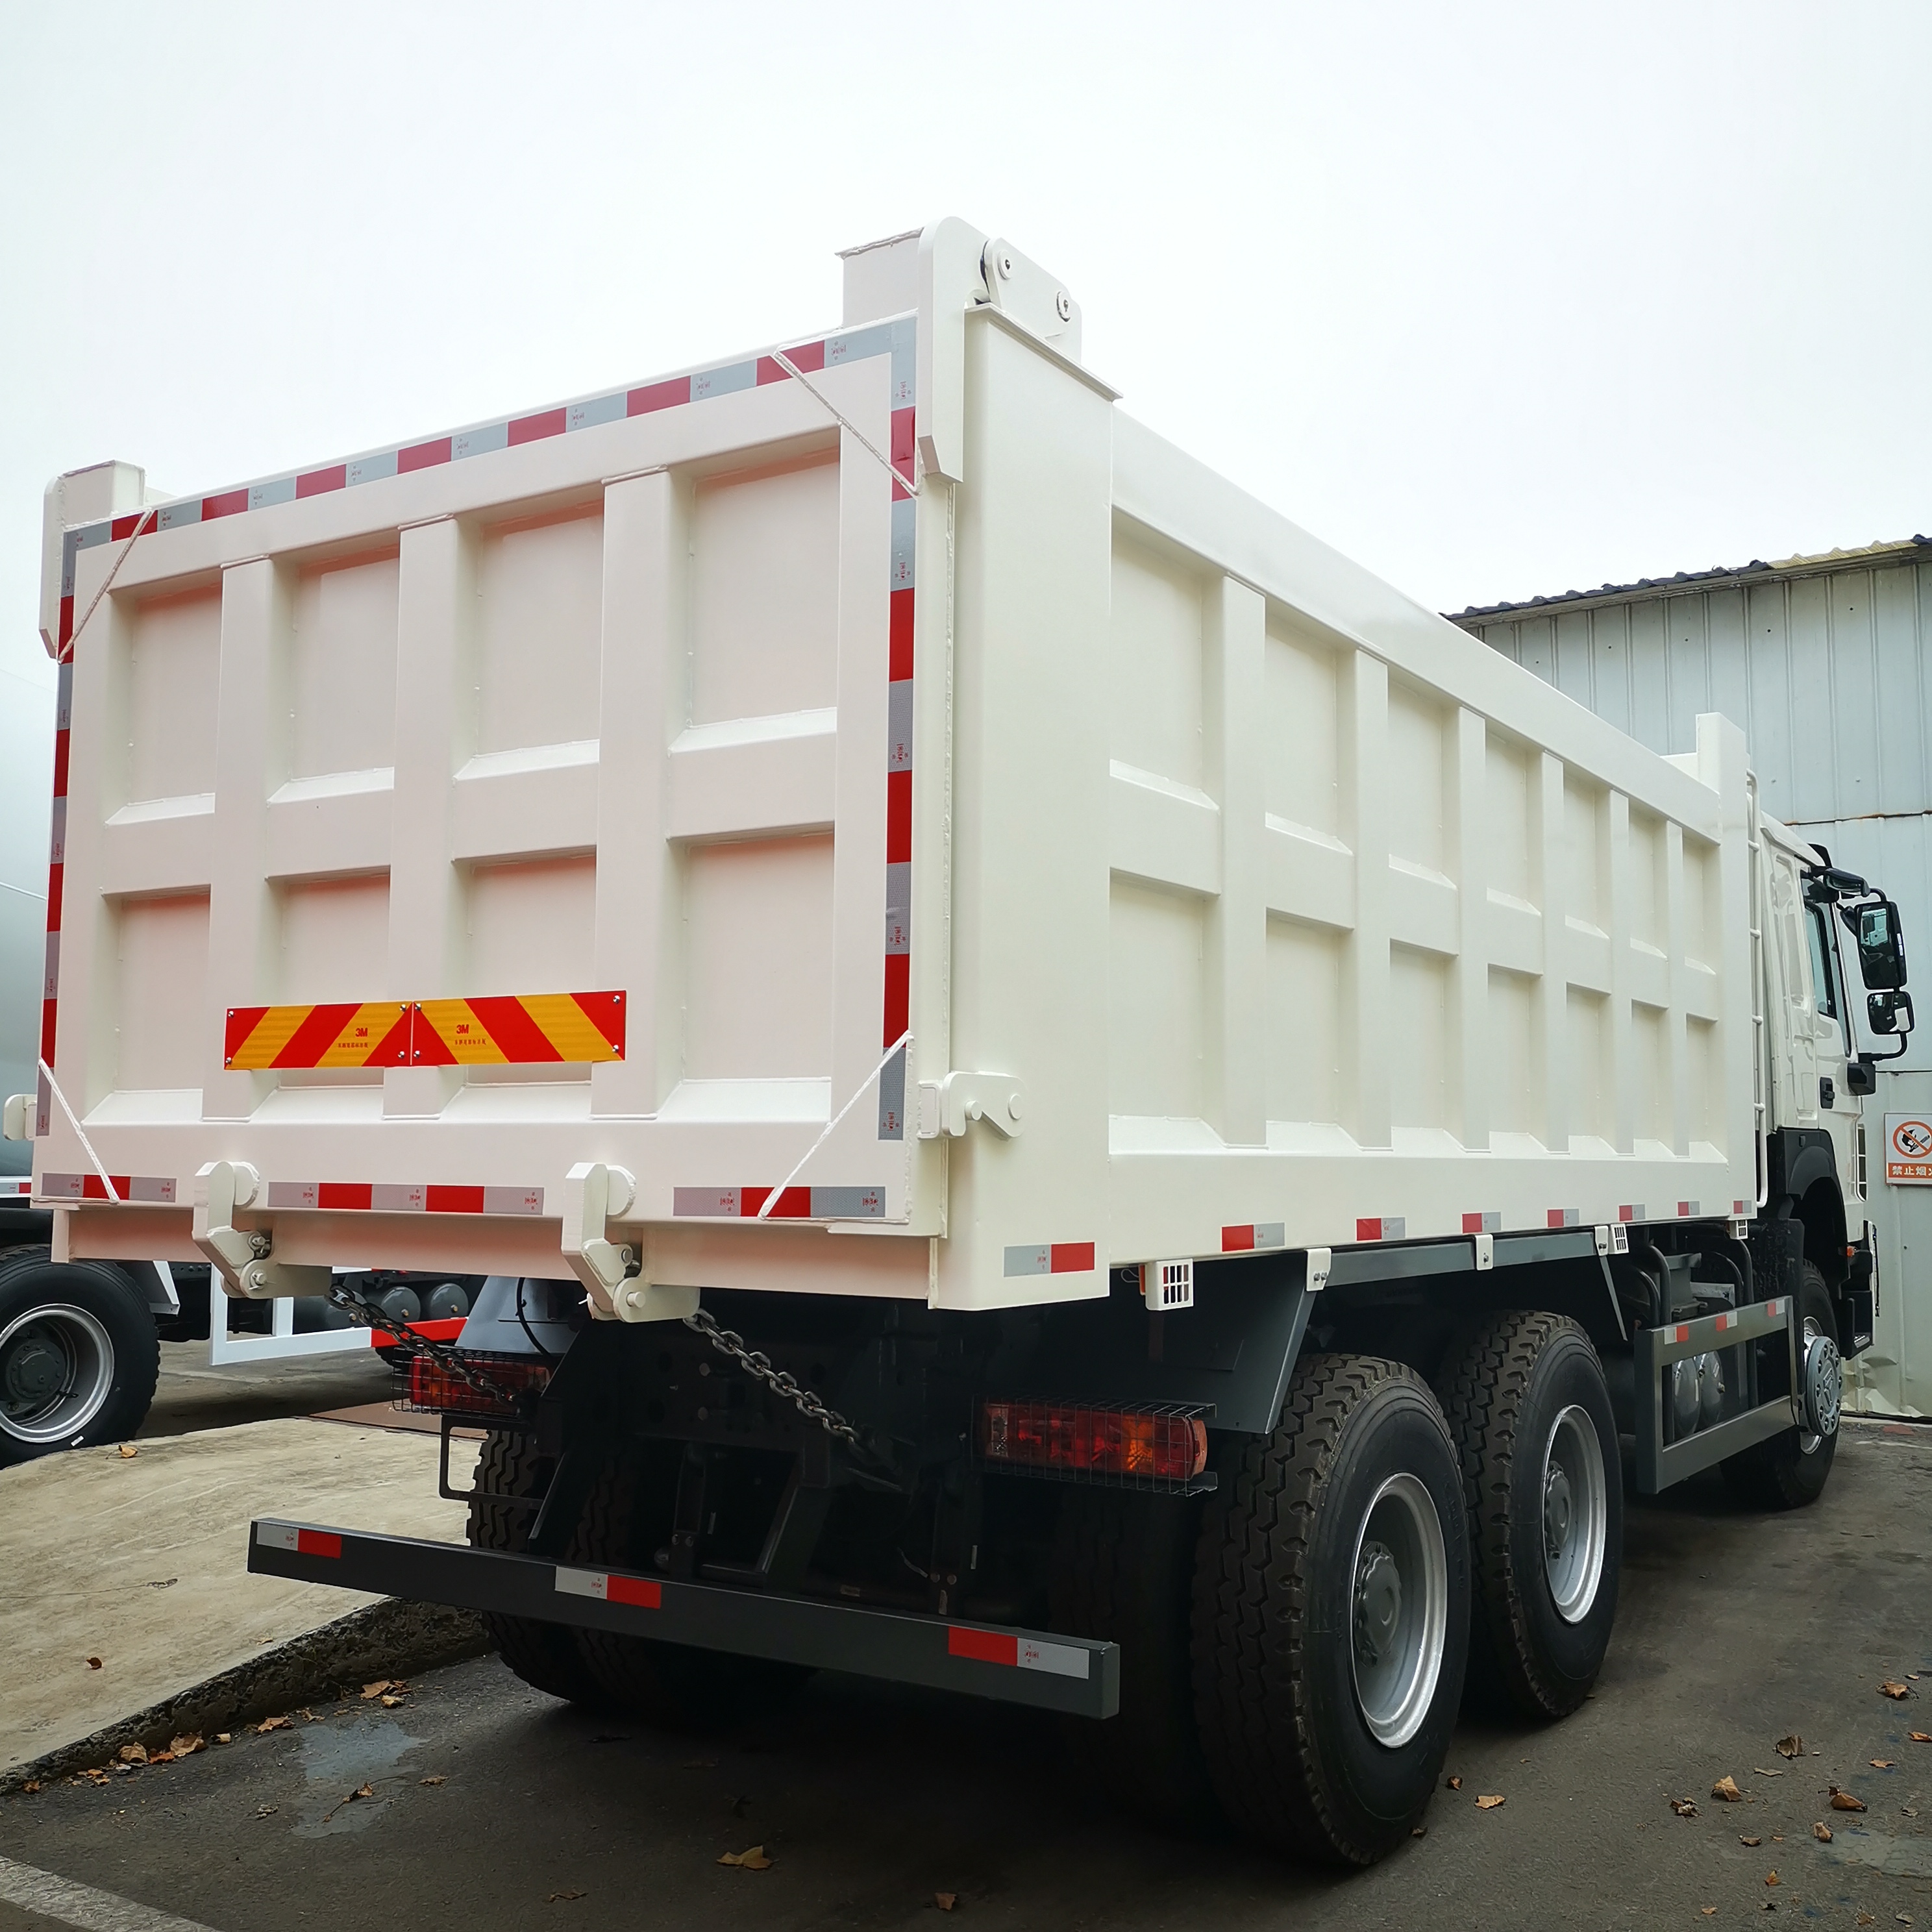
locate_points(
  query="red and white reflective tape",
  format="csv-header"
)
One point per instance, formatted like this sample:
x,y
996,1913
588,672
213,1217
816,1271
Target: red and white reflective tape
x,y
1564,1217
1631,1210
1686,1210
1487,1222
11,1190
1681,1332
1261,1234
1739,1208
794,1204
1390,1227
642,1593
376,1197
136,1189
303,1542
1051,1258
1021,1653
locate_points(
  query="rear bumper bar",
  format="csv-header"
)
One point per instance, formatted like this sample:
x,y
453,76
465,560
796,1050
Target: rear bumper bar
x,y
1079,1676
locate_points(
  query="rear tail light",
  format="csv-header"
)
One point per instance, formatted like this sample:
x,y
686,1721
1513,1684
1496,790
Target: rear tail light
x,y
509,1386
1125,1446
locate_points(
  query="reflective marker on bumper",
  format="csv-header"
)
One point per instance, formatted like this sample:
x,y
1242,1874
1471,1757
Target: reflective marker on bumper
x,y
985,1646
640,1591
304,1542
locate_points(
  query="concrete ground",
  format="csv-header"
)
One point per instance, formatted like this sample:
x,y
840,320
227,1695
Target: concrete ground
x,y
493,1807
156,1588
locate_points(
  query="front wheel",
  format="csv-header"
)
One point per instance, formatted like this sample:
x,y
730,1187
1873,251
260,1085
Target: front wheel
x,y
1331,1614
79,1354
1791,1470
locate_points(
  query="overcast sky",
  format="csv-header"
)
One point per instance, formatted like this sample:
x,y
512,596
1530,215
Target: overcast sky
x,y
1499,299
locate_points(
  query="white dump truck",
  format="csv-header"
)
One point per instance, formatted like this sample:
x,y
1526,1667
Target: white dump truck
x,y
1062,1095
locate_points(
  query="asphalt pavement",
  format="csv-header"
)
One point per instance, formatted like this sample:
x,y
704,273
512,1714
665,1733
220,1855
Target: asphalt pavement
x,y
486,1806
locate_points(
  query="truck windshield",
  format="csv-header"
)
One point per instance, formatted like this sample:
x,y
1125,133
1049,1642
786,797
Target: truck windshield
x,y
1821,961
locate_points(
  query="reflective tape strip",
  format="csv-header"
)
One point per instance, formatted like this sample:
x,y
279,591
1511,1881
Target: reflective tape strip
x,y
1563,1217
380,1197
367,1033
1051,1258
1260,1235
1487,1222
641,1592
528,1030
1630,1211
795,1204
304,1542
1686,1209
137,1190
1389,1228
9,1188
1004,1647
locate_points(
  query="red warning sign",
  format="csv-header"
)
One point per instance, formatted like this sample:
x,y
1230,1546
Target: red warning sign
x,y
1908,1151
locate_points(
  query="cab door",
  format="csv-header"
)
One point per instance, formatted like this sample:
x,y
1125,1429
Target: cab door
x,y
1838,1108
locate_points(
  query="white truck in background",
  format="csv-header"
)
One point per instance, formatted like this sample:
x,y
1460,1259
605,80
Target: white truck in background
x,y
991,1010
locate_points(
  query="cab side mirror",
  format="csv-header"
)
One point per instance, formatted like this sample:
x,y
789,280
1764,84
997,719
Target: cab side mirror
x,y
1881,950
1889,1013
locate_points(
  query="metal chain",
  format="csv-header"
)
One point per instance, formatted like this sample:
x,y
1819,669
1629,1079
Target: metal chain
x,y
756,1363
447,1354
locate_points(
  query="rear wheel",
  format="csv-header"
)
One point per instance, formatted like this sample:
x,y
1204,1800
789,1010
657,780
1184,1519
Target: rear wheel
x,y
545,1656
676,1687
79,1354
1791,1470
1526,1401
1331,1614
1123,1569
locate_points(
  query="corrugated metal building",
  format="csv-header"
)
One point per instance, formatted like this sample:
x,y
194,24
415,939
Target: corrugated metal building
x,y
1823,660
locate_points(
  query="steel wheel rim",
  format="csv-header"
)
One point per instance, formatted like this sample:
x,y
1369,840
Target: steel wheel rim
x,y
1811,1361
1399,1619
1576,1513
56,1372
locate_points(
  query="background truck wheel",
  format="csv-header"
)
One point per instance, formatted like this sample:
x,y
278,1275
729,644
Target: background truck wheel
x,y
1124,1568
1331,1614
545,1656
78,1354
1790,1470
1526,1400
676,1687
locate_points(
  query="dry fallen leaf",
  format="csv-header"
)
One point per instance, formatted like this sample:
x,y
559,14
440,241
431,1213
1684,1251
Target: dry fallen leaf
x,y
224,1737
1764,1771
1867,1919
556,1895
186,1747
1920,1737
1791,1747
133,1753
1880,1763
273,1724
1772,1878
362,1791
1684,1807
1489,1803
1888,1689
1726,1788
432,1780
128,1452
1844,1801
1822,1833
1754,1843
946,1900
1709,1911
162,1757
375,1689
32,1785
1454,1783
754,1860
1418,1831
266,1811
390,1703
94,1664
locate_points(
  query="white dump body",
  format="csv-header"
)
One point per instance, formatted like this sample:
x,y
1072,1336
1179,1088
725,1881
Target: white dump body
x,y
1063,862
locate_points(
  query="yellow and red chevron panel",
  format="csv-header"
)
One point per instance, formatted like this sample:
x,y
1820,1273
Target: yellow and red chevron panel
x,y
519,1031
376,1034
507,1031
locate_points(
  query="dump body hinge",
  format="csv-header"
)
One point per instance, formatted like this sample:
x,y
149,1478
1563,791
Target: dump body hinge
x,y
945,1106
243,1257
594,1196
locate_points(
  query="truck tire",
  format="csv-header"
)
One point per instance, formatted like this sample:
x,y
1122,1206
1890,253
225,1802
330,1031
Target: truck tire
x,y
1331,1614
78,1354
1123,1569
673,1686
1526,1401
1791,1470
545,1656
